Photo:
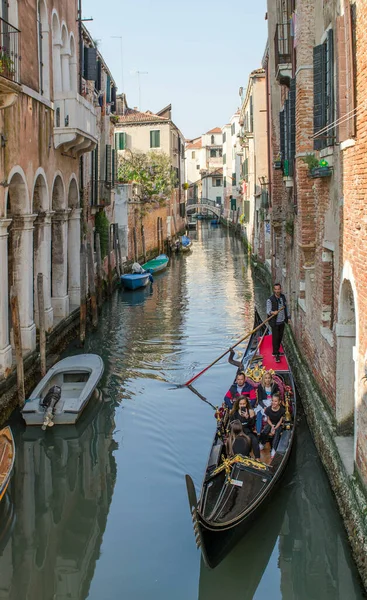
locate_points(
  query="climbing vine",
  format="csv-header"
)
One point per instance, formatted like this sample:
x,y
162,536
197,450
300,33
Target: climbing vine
x,y
102,226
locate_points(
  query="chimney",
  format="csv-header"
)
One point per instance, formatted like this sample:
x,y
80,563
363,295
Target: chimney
x,y
135,108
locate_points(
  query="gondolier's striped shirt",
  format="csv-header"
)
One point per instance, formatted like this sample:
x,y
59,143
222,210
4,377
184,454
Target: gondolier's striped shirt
x,y
281,315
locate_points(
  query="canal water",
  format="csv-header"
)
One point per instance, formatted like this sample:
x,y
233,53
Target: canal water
x,y
100,511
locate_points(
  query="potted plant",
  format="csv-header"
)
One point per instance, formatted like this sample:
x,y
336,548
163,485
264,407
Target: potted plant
x,y
6,66
185,186
277,162
317,168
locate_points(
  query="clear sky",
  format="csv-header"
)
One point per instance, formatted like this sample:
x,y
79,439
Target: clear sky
x,y
197,53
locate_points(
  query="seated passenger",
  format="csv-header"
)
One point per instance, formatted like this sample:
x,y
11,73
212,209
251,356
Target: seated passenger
x,y
239,388
243,412
272,430
264,392
237,442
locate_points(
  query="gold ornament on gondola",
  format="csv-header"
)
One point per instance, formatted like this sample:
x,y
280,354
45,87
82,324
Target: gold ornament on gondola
x,y
257,372
228,463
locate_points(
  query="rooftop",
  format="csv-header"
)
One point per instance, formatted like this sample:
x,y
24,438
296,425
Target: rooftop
x,y
215,130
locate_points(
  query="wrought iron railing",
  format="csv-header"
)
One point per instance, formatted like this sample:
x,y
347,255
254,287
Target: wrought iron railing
x,y
9,51
101,192
283,44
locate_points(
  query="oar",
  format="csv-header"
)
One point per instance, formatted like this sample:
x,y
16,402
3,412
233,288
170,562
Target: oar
x,y
202,397
229,349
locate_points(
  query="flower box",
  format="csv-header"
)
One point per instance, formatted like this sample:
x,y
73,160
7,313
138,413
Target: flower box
x,y
321,172
277,165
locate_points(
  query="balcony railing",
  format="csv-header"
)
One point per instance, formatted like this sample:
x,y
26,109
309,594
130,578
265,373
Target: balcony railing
x,y
283,44
9,51
101,192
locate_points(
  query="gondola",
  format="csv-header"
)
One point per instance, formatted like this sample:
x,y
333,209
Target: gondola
x,y
235,489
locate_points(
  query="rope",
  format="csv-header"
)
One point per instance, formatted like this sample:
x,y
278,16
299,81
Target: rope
x,y
342,119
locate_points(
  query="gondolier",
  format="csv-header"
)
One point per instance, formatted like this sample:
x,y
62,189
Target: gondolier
x,y
274,304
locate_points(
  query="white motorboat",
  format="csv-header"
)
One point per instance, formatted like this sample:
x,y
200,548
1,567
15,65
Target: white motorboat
x,y
61,396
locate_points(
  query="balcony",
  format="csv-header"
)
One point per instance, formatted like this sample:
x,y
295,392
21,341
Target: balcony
x,y
283,42
9,64
75,124
101,193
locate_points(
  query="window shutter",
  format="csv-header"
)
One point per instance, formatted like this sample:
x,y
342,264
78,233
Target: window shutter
x,y
292,98
319,100
108,163
114,173
108,89
96,176
90,64
330,85
246,211
92,177
113,99
233,178
98,79
251,115
349,67
281,134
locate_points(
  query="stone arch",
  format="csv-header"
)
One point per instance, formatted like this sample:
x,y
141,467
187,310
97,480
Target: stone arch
x,y
73,65
17,199
56,52
59,246
20,254
73,195
42,245
346,359
43,49
74,239
58,193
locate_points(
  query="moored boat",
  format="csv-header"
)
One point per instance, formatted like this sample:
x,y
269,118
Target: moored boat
x,y
191,224
134,281
156,264
235,489
186,243
7,457
63,393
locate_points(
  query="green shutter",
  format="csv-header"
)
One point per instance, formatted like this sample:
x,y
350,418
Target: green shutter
x,y
108,89
281,133
246,211
155,139
224,159
108,163
319,89
330,86
113,154
120,141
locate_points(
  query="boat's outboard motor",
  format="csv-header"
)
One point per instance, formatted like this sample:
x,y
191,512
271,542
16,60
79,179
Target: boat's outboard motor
x,y
49,404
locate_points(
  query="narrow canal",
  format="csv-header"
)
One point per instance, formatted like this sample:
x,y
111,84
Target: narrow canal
x,y
100,511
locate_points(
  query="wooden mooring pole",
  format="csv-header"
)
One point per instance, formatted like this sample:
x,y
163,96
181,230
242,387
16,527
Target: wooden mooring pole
x,y
83,294
99,271
116,244
135,245
109,267
14,306
41,322
158,235
143,243
92,285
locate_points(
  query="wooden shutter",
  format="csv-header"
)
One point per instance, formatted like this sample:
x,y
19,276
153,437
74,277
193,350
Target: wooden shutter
x,y
281,134
98,79
96,176
292,126
92,177
108,89
246,211
113,100
349,52
233,178
330,112
108,163
90,64
319,100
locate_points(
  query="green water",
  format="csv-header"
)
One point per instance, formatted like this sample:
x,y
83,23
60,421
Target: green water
x,y
100,511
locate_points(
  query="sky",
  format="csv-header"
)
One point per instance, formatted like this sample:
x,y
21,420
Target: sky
x,y
196,53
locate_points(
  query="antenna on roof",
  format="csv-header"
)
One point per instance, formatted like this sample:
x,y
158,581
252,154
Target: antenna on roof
x,y
138,73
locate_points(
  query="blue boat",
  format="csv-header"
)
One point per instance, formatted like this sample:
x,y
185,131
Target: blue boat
x,y
134,281
185,243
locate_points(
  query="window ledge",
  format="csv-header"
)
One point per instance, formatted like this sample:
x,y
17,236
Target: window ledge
x,y
347,144
302,304
329,151
328,335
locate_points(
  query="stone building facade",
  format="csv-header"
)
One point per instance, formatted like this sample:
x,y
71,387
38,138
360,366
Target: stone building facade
x,y
315,77
48,124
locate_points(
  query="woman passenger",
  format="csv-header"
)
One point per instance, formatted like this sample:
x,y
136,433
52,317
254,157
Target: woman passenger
x,y
243,412
266,389
238,442
275,417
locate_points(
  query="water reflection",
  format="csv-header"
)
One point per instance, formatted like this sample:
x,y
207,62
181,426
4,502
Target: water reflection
x,y
101,511
61,491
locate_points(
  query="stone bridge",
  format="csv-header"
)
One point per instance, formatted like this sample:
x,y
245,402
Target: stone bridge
x,y
204,203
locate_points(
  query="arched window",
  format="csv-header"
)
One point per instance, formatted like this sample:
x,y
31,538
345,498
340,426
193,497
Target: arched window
x,y
73,65
56,53
213,139
43,50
